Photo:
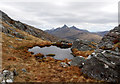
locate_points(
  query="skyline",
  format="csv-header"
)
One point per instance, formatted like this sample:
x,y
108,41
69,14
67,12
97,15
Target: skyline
x,y
92,16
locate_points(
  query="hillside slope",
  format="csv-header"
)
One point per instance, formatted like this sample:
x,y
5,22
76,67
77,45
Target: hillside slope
x,y
15,57
27,28
102,33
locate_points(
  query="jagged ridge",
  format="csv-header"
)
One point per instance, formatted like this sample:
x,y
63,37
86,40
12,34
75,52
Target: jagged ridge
x,y
73,33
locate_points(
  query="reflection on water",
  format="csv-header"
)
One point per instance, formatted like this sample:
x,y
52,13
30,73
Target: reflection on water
x,y
60,54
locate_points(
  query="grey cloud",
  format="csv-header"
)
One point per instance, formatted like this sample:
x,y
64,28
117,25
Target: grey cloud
x,y
77,13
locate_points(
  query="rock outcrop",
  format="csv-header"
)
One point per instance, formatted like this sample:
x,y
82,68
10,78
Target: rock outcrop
x,y
110,39
83,45
104,63
7,76
78,61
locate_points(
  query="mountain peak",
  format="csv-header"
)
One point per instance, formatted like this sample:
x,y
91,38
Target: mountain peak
x,y
65,26
73,26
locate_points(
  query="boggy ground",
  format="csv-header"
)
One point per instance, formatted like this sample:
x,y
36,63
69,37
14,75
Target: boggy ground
x,y
16,56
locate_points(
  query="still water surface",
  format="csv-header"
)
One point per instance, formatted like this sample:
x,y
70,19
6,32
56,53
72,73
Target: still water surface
x,y
60,54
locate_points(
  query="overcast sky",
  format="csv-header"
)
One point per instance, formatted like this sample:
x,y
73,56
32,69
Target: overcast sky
x,y
47,14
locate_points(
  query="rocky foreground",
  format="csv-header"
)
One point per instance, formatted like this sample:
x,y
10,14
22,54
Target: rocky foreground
x,y
103,63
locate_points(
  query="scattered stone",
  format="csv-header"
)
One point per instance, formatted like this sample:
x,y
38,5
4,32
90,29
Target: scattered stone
x,y
10,46
24,70
89,57
106,66
11,41
10,35
19,39
63,64
77,61
8,81
18,35
116,49
109,46
7,76
69,63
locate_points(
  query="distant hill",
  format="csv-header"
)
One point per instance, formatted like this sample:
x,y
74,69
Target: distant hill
x,y
102,33
73,33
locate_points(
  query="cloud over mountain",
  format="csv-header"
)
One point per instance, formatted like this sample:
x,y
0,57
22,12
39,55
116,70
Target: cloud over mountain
x,y
93,16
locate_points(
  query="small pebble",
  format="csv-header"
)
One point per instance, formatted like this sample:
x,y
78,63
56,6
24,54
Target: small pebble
x,y
24,70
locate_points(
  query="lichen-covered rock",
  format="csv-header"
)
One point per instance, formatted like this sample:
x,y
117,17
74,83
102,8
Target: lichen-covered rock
x,y
11,32
100,70
104,63
110,39
18,35
78,61
83,45
7,76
